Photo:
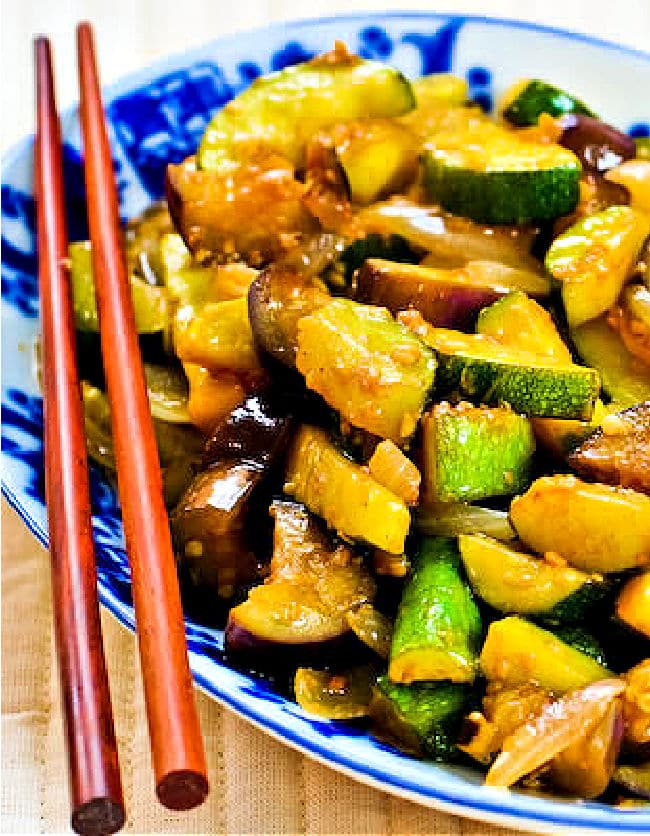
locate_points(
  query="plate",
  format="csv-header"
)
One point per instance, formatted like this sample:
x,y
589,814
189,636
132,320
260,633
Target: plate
x,y
157,116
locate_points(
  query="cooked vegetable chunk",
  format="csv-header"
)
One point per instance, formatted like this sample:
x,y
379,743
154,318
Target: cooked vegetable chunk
x,y
513,582
378,157
528,99
482,370
452,241
281,111
210,523
450,298
559,437
285,292
633,604
594,258
335,696
520,322
249,213
473,452
570,721
422,718
310,588
449,519
372,627
150,303
597,145
392,469
373,370
219,338
344,494
516,651
619,452
438,625
491,175
597,528
625,378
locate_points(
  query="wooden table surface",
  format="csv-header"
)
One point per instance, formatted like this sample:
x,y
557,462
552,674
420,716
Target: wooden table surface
x,y
258,785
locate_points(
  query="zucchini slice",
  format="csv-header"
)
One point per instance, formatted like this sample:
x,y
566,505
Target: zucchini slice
x,y
378,157
520,322
626,379
423,719
369,367
525,102
474,452
516,652
438,626
481,370
281,111
597,528
490,174
593,259
449,298
344,494
513,582
335,696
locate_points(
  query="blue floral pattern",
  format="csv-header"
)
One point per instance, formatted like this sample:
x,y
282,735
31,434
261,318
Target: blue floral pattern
x,y
158,118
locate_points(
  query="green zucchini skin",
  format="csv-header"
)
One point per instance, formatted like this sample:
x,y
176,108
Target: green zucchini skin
x,y
438,626
542,391
472,453
513,582
539,97
582,640
423,718
284,109
503,197
389,247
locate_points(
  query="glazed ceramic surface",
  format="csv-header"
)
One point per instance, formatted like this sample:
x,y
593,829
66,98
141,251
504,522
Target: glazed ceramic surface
x,y
158,116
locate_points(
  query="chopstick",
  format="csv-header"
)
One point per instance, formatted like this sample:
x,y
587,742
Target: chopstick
x,y
95,785
176,743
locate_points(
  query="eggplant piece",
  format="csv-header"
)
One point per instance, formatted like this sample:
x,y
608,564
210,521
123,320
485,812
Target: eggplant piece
x,y
302,607
210,525
447,298
251,212
598,146
619,452
288,290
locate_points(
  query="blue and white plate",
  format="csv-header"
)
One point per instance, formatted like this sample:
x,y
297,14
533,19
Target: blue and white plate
x,y
157,116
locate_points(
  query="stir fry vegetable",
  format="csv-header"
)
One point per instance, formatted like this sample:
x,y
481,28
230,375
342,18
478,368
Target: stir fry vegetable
x,y
402,401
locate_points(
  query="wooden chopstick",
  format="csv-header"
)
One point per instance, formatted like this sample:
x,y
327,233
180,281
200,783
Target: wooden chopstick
x,y
95,785
176,743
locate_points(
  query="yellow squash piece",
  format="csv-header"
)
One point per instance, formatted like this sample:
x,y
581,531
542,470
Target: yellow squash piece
x,y
597,528
635,176
517,652
633,605
211,399
369,367
220,338
344,494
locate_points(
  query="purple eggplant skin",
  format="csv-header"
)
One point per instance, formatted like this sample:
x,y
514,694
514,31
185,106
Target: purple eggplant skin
x,y
256,432
213,538
288,290
597,145
398,288
300,610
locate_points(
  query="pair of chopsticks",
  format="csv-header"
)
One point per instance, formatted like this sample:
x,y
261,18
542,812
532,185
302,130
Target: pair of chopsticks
x,y
177,747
